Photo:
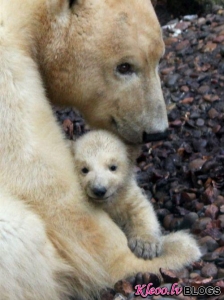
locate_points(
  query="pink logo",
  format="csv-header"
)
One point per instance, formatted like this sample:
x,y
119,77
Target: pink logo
x,y
148,290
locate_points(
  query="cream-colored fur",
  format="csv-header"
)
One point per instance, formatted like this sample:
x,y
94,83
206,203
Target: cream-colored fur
x,y
52,243
106,175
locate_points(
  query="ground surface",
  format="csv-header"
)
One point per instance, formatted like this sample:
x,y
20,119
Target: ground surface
x,y
184,175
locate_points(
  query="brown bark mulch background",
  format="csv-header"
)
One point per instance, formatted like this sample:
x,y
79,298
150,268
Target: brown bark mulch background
x,y
184,175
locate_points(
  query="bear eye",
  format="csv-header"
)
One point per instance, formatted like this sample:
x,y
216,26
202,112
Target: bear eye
x,y
125,69
71,3
85,170
113,168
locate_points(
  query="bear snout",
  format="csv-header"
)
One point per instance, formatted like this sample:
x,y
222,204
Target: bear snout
x,y
151,137
99,191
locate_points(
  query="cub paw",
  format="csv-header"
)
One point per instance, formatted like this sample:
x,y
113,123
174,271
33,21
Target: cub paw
x,y
146,248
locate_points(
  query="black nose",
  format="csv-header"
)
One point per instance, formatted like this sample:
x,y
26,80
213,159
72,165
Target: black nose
x,y
99,191
151,137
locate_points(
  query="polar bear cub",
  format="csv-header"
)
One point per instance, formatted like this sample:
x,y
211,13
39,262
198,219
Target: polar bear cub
x,y
106,175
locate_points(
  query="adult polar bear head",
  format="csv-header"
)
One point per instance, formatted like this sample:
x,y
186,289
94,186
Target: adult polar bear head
x,y
102,58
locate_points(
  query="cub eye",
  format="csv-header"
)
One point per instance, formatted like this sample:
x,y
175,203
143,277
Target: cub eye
x,y
113,168
85,170
125,69
71,2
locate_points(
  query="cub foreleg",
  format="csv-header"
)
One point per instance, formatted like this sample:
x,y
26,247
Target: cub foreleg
x,y
133,212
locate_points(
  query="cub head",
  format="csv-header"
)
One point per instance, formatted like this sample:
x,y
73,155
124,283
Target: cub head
x,y
102,58
102,163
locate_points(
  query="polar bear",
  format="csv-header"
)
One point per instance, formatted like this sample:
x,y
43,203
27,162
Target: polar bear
x,y
102,58
106,175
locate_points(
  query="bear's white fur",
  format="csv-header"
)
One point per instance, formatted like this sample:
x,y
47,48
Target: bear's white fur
x,y
52,243
106,175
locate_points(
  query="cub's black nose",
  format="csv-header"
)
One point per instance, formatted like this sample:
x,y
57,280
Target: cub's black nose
x,y
152,137
99,191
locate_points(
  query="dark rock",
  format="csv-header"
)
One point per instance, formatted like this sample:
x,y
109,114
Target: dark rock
x,y
189,220
204,89
200,122
201,223
209,270
124,287
209,242
171,80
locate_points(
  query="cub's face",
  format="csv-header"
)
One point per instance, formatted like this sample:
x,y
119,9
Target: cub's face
x,y
102,57
102,165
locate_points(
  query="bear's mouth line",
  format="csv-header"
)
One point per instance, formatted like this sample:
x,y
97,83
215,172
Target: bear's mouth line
x,y
148,137
116,128
100,200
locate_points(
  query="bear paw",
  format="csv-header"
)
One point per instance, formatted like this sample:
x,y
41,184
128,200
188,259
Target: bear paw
x,y
145,247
